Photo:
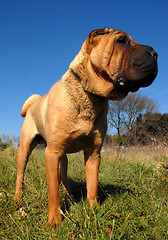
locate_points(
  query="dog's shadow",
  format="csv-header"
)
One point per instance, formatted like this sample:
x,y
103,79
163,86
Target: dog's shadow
x,y
79,192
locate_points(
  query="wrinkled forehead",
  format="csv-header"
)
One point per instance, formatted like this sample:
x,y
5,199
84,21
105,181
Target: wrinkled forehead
x,y
119,32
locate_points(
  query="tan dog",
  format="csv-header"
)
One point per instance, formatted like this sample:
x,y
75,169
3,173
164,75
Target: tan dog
x,y
72,116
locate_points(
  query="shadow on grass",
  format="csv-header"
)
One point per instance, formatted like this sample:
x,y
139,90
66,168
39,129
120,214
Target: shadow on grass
x,y
79,192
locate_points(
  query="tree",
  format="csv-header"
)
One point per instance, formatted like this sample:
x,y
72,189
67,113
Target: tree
x,y
6,139
123,115
115,114
152,125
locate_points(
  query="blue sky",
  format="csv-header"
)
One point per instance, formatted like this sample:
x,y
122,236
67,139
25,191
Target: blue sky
x,y
39,39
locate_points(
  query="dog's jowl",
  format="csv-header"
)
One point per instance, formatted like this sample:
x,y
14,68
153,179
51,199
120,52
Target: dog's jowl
x,y
72,116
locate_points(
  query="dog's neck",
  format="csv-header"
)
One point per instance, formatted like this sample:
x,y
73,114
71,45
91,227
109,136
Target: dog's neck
x,y
81,97
70,76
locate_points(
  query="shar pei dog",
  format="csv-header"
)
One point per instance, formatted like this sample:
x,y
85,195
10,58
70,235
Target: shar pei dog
x,y
72,116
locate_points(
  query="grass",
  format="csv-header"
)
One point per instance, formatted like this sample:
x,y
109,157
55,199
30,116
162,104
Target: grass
x,y
133,196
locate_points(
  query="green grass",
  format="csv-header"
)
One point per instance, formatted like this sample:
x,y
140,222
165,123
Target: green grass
x,y
133,196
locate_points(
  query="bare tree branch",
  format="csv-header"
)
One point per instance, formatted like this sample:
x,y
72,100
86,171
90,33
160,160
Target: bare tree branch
x,y
123,114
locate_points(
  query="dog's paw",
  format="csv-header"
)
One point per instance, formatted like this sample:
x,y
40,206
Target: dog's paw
x,y
50,225
18,198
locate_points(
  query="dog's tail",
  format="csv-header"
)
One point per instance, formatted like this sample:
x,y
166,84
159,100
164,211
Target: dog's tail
x,y
28,103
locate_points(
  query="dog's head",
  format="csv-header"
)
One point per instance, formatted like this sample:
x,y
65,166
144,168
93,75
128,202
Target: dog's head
x,y
111,64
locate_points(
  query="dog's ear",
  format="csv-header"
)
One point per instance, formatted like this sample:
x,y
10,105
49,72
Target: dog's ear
x,y
78,65
91,41
94,37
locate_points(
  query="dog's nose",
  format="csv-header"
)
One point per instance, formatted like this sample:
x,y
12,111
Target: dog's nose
x,y
154,54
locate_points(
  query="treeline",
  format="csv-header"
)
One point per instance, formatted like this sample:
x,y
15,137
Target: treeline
x,y
136,120
8,140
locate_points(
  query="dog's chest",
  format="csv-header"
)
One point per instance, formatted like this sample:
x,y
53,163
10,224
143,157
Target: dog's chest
x,y
84,131
82,125
82,136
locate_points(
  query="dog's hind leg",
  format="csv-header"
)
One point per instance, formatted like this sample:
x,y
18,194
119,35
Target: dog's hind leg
x,y
63,175
27,144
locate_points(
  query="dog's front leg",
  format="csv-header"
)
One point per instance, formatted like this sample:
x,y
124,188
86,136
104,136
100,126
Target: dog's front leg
x,y
92,163
52,159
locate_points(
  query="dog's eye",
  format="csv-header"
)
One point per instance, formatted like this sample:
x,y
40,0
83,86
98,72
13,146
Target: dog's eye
x,y
123,40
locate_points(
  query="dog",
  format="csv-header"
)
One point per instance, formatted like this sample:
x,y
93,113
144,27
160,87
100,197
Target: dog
x,y
73,115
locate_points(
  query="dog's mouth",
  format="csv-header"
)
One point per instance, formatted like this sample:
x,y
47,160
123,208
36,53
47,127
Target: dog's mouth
x,y
133,85
126,85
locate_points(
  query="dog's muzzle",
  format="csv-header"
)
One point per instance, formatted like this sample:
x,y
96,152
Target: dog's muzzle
x,y
144,67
